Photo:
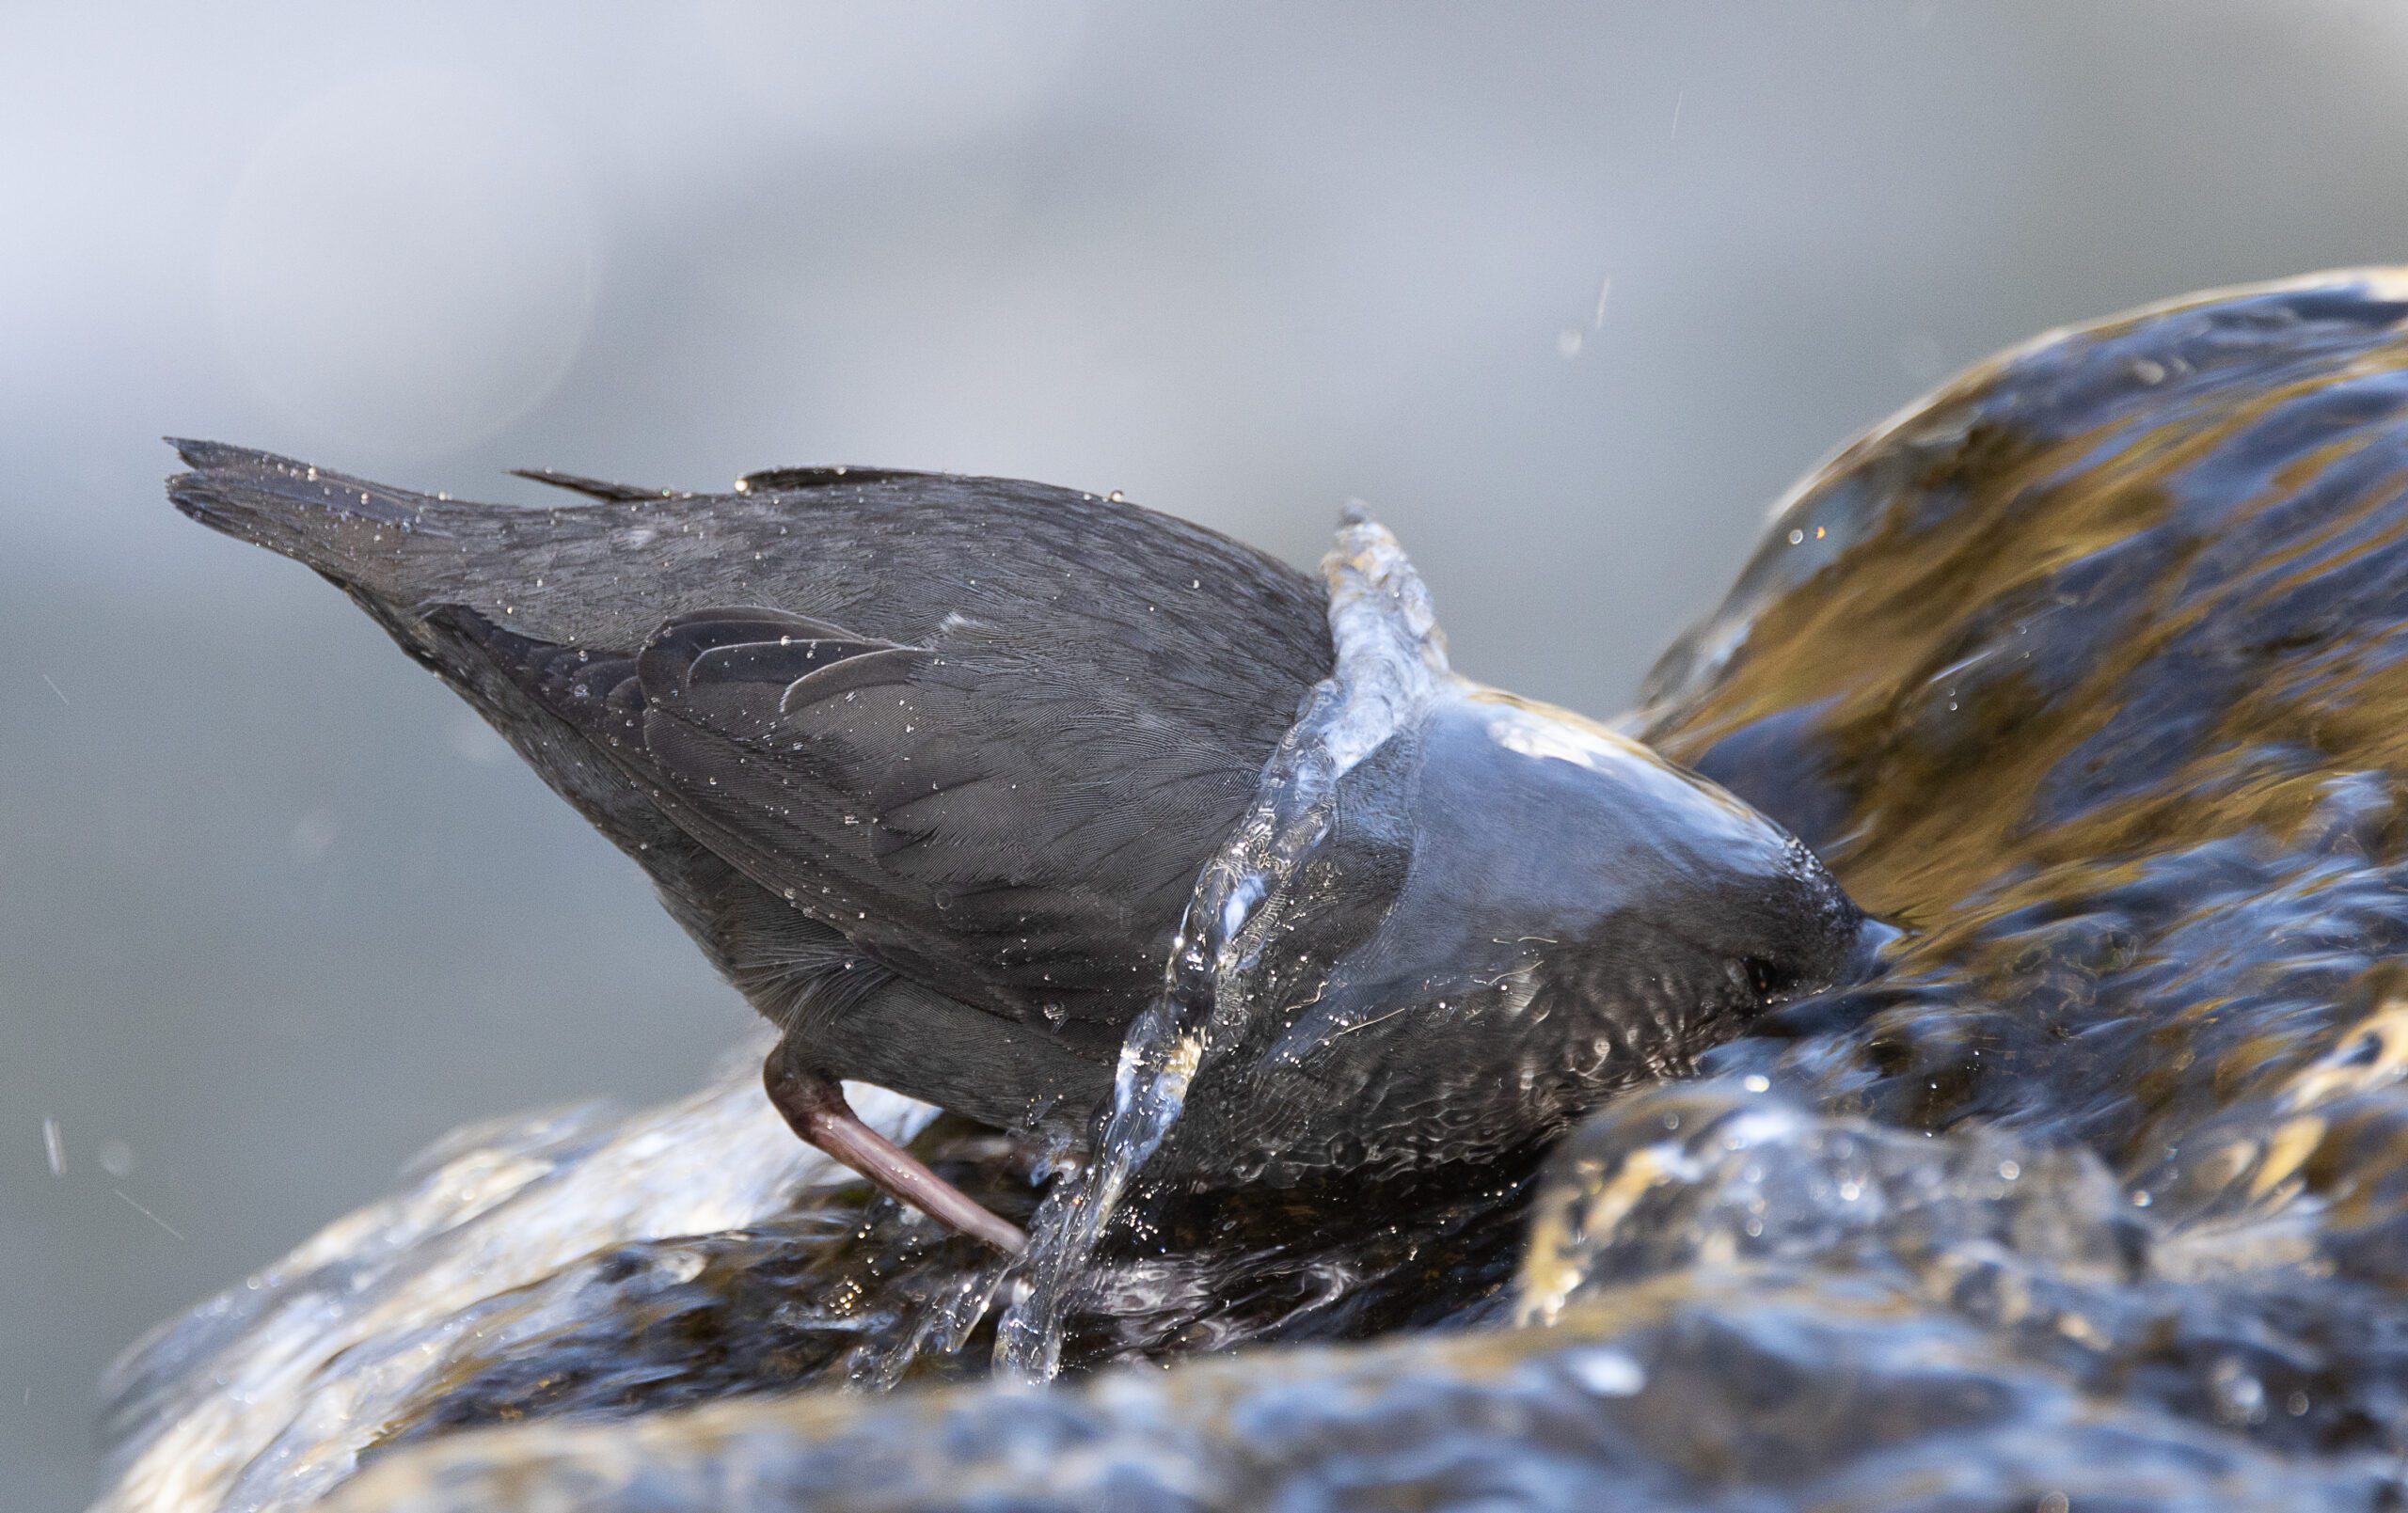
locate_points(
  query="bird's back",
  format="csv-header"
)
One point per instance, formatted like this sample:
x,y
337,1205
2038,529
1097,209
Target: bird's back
x,y
883,738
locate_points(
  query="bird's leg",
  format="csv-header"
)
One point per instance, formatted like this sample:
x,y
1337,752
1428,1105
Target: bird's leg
x,y
815,1108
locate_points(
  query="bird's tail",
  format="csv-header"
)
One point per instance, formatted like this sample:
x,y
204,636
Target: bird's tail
x,y
363,535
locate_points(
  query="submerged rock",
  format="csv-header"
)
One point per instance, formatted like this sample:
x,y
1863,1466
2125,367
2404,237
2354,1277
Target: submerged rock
x,y
1644,1401
2093,669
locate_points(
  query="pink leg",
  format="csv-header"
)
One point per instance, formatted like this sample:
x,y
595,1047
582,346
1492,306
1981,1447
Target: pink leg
x,y
815,1108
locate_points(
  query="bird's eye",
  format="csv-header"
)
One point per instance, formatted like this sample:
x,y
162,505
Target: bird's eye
x,y
1770,980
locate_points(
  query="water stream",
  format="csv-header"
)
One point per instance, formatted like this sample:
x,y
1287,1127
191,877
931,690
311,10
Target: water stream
x,y
1390,662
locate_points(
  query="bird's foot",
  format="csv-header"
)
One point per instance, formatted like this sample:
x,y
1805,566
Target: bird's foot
x,y
814,1106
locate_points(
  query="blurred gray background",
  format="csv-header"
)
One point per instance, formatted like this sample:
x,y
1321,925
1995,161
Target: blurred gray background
x,y
1567,293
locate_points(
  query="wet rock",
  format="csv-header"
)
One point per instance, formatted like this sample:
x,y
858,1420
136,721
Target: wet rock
x,y
1775,1399
582,1268
1730,1195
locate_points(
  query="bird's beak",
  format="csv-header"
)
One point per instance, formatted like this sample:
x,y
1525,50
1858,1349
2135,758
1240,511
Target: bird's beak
x,y
1864,957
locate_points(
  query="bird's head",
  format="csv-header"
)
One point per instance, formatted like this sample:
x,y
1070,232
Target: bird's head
x,y
1510,912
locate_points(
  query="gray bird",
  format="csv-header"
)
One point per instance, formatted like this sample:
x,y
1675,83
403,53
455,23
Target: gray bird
x,y
929,765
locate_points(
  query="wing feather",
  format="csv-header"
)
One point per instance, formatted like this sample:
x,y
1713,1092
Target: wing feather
x,y
1004,801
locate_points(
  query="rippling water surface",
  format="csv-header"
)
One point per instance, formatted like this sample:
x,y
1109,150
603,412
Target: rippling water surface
x,y
2089,670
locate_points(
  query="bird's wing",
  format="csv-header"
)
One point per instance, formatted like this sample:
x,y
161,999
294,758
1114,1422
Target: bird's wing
x,y
1015,825
989,730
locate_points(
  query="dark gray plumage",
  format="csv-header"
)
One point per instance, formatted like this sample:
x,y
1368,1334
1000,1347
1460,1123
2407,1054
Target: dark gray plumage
x,y
929,765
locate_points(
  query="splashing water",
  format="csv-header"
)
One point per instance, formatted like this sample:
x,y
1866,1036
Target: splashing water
x,y
1391,665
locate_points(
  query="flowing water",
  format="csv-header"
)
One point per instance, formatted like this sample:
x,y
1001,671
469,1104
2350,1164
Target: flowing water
x,y
2092,670
1390,662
